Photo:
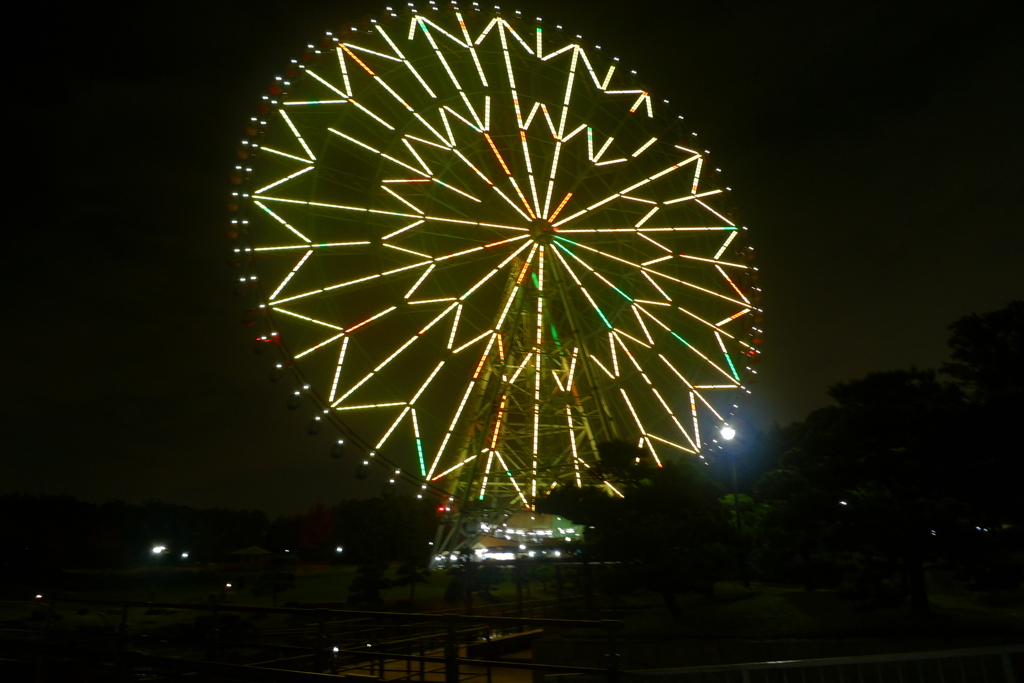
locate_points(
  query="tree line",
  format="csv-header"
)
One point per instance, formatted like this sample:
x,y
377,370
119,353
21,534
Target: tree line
x,y
906,472
43,534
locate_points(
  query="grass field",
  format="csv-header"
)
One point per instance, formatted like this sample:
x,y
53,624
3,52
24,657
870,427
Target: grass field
x,y
762,611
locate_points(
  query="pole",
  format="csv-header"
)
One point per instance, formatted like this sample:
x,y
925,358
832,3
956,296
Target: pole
x,y
739,524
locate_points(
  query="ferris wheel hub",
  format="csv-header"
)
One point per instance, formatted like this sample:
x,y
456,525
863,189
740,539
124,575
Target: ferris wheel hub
x,y
542,231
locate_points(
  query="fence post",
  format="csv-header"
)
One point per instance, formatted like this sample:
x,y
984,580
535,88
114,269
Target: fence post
x,y
518,571
451,655
321,644
122,643
1008,676
214,634
612,657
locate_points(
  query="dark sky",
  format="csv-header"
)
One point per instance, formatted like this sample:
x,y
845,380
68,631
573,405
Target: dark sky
x,y
874,149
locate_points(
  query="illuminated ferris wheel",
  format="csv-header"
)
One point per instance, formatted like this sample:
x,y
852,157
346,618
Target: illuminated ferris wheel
x,y
483,249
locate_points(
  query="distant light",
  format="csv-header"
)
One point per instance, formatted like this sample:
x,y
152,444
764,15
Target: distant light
x,y
558,553
227,585
728,433
184,555
843,502
39,596
335,648
522,547
157,549
338,549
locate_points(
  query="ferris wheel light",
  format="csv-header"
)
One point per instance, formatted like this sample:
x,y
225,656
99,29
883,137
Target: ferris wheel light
x,y
419,172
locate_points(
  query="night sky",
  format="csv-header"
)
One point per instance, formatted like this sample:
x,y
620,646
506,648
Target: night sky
x,y
874,149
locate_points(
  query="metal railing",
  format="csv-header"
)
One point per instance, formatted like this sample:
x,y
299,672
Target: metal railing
x,y
972,665
430,648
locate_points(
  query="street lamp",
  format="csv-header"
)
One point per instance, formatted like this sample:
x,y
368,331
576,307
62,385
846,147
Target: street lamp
x,y
728,434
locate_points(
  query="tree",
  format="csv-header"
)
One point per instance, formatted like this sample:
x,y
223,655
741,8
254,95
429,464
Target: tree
x,y
367,584
987,362
988,355
670,531
879,474
409,574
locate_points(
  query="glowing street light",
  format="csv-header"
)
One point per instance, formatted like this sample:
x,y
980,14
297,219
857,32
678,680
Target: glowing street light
x,y
728,434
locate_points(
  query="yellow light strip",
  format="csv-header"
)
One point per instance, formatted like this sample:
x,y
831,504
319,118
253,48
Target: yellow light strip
x,y
697,287
347,96
290,274
314,102
418,282
472,341
732,284
407,251
423,164
312,246
715,261
643,147
319,346
423,387
515,484
401,230
376,151
394,355
454,467
728,241
671,443
696,175
308,319
391,429
472,49
284,154
296,133
732,317
281,220
403,200
284,180
455,326
702,320
371,52
696,424
656,286
337,369
557,52
431,301
643,326
370,319
515,35
367,406
572,443
558,210
601,365
724,219
688,197
344,70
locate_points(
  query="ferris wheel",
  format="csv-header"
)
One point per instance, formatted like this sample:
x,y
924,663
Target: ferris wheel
x,y
483,248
